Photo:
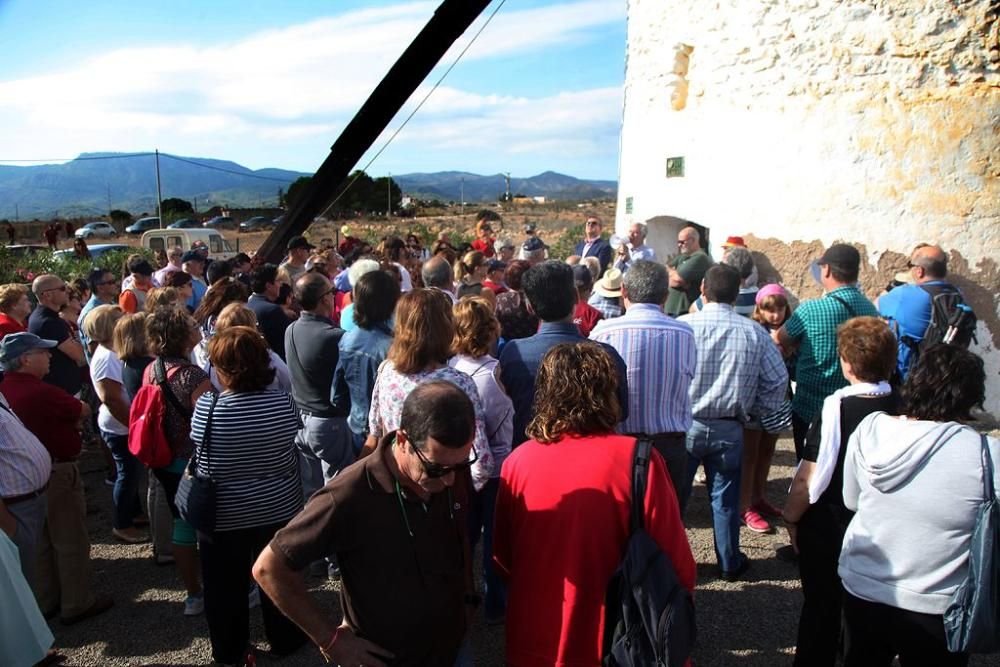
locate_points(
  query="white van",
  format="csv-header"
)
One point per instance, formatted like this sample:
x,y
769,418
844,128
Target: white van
x,y
163,239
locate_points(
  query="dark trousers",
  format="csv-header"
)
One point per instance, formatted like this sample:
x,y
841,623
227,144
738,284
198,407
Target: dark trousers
x,y
800,428
875,633
673,448
819,539
226,559
482,510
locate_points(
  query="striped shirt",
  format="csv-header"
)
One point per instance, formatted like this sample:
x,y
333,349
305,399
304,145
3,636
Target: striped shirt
x,y
25,464
740,371
610,307
251,457
659,354
814,324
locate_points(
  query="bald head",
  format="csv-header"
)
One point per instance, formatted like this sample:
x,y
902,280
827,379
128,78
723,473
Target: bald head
x,y
929,262
44,283
688,240
436,272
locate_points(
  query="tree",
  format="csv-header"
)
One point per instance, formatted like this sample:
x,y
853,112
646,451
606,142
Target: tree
x,y
120,217
296,189
175,206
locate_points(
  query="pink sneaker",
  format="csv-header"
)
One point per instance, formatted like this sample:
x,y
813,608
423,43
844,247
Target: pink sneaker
x,y
755,522
766,509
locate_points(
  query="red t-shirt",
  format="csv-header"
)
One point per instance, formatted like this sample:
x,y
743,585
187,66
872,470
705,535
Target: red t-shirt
x,y
47,411
484,246
9,325
562,519
497,288
586,317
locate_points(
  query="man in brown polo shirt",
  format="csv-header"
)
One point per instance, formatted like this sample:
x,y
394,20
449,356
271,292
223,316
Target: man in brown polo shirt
x,y
62,581
396,520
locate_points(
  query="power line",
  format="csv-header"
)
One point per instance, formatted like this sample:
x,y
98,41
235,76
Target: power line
x,y
228,171
82,158
416,109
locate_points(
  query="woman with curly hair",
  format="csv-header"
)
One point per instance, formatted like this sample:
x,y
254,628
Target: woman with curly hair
x,y
476,334
246,444
172,334
419,353
222,293
562,516
915,483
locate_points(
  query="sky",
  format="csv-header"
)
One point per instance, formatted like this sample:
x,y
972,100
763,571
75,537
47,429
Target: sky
x,y
272,84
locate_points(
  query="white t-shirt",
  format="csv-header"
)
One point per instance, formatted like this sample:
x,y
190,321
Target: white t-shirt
x,y
105,365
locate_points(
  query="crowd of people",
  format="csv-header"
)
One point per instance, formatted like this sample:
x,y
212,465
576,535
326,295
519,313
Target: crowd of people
x,y
377,413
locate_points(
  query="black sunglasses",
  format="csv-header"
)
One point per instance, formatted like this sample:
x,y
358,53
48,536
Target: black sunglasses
x,y
436,470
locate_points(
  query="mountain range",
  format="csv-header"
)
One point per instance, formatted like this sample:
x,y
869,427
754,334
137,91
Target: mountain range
x,y
94,183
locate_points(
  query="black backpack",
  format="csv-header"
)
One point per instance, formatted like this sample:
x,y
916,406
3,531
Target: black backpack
x,y
952,322
649,615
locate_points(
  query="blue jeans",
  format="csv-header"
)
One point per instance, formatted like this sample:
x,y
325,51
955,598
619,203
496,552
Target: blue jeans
x,y
325,448
125,505
718,444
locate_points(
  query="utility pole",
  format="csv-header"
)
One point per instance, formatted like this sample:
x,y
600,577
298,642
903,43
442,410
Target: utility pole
x,y
461,204
109,198
506,179
159,196
388,183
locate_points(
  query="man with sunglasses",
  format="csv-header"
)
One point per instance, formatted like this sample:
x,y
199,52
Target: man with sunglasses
x,y
397,522
103,292
67,356
686,272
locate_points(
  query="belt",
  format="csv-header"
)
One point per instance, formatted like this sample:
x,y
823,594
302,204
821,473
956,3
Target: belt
x,y
72,459
13,500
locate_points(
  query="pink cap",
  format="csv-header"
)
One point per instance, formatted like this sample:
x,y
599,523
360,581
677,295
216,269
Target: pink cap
x,y
770,290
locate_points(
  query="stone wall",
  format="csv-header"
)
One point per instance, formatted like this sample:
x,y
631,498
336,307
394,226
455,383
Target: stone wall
x,y
806,122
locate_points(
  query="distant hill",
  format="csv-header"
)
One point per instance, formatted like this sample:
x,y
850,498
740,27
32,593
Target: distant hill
x,y
448,186
84,186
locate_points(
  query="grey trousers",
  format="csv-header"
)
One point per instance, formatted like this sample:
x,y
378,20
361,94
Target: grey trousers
x,y
30,518
325,449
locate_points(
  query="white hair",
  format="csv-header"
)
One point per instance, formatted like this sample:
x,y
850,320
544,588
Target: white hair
x,y
360,268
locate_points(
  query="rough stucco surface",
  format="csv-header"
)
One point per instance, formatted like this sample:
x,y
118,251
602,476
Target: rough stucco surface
x,y
807,122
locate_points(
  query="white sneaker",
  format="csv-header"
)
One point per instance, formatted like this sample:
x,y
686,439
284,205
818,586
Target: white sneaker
x,y
194,605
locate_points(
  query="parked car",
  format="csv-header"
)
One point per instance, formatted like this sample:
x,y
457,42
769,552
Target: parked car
x,y
185,223
221,222
27,249
256,223
143,225
97,251
164,239
96,229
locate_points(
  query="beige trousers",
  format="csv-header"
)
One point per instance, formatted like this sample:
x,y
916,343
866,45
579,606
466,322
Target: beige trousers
x,y
62,578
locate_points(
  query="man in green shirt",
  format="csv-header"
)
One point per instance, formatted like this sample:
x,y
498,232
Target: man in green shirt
x,y
686,272
813,329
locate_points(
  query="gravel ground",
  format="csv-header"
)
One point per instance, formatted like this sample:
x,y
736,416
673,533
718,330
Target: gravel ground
x,y
747,623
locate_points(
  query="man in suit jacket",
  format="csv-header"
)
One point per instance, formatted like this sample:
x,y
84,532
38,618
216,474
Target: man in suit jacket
x,y
593,245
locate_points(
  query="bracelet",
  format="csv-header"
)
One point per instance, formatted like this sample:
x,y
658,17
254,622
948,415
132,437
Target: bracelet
x,y
325,650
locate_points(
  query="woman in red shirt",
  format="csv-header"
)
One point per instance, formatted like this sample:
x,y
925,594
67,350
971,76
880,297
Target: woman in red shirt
x,y
562,514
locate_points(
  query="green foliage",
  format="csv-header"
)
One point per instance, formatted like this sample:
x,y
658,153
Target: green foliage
x,y
296,189
120,218
16,268
176,207
563,246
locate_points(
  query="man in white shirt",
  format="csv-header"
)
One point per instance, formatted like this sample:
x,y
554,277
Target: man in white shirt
x,y
636,248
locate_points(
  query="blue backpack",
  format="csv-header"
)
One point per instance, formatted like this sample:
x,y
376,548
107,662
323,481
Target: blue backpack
x,y
649,615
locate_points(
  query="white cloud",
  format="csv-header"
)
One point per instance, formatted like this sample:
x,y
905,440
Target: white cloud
x,y
301,84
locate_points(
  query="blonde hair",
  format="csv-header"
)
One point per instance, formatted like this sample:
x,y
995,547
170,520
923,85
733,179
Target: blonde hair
x,y
476,327
99,324
235,314
10,294
161,297
130,336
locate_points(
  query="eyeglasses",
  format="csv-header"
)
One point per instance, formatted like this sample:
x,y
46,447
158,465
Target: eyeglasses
x,y
436,470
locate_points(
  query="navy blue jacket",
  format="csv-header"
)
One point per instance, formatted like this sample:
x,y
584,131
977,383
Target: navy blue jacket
x,y
601,249
272,322
519,364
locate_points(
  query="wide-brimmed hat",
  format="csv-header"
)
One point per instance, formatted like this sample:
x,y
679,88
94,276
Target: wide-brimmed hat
x,y
611,284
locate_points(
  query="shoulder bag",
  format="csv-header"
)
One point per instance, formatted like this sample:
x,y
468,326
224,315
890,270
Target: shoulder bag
x,y
196,493
972,618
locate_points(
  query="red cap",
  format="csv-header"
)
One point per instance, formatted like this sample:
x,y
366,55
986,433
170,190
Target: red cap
x,y
734,241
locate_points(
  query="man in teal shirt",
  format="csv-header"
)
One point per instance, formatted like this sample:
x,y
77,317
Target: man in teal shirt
x,y
812,328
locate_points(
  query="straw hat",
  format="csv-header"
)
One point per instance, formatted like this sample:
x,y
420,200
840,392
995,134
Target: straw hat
x,y
611,284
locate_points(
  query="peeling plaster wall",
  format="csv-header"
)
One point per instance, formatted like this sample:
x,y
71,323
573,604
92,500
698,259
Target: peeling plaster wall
x,y
807,122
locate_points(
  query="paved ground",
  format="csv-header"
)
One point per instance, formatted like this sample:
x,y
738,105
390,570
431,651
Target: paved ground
x,y
748,623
